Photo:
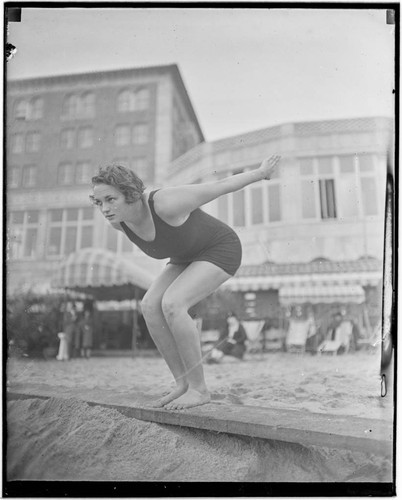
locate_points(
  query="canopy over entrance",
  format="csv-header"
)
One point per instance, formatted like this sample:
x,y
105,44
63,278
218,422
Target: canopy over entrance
x,y
102,274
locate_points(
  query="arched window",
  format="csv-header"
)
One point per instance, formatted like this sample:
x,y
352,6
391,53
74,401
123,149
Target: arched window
x,y
21,110
70,106
87,104
126,101
36,111
142,99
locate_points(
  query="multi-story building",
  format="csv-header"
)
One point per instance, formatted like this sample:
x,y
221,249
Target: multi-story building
x,y
313,234
59,130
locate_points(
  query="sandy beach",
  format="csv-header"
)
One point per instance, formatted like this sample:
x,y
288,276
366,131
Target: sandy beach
x,y
68,439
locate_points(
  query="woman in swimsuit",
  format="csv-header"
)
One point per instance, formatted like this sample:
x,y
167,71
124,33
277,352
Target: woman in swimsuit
x,y
204,252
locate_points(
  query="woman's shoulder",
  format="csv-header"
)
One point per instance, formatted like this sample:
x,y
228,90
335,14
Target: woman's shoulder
x,y
164,202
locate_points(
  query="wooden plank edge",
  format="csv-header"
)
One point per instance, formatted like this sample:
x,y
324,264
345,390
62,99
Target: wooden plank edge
x,y
239,428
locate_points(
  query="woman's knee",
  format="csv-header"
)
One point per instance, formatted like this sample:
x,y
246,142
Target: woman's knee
x,y
150,306
171,306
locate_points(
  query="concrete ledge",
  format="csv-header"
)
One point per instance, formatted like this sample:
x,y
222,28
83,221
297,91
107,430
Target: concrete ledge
x,y
292,426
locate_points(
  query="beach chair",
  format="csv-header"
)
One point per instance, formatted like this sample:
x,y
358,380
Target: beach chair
x,y
208,340
371,342
297,334
341,341
274,339
253,330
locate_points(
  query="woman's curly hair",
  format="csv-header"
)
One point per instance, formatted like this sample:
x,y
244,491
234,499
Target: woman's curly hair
x,y
121,178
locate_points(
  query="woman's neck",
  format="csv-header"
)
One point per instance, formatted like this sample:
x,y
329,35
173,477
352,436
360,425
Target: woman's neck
x,y
140,213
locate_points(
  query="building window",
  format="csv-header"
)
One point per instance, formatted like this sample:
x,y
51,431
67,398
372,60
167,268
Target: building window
x,y
79,106
257,212
70,106
70,240
87,105
69,230
122,135
17,143
306,166
29,110
31,242
32,144
347,164
23,234
140,134
85,137
327,198
274,203
54,241
126,101
21,110
348,195
239,216
369,195
308,199
36,111
29,176
318,186
65,174
142,99
325,165
86,237
83,172
366,163
17,217
67,137
14,177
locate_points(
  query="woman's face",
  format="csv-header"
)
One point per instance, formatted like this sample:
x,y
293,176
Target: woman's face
x,y
112,203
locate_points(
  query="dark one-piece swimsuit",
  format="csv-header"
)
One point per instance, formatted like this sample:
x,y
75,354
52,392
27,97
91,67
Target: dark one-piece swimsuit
x,y
200,238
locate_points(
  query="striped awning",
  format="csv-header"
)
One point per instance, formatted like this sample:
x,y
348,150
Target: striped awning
x,y
321,294
95,267
274,276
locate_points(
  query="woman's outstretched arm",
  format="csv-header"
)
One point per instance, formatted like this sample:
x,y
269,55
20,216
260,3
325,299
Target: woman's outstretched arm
x,y
179,201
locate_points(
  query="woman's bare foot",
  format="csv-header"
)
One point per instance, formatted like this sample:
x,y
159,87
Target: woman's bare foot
x,y
167,398
189,399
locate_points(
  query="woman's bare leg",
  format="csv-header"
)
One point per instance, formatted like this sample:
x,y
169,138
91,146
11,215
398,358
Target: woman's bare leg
x,y
161,334
195,283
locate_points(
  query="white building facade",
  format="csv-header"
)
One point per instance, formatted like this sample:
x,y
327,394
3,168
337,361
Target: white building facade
x,y
315,232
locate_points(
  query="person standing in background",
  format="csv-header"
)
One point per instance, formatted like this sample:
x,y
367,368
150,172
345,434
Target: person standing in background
x,y
70,327
85,333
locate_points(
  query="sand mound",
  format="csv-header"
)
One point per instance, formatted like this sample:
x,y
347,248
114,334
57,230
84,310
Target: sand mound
x,y
67,439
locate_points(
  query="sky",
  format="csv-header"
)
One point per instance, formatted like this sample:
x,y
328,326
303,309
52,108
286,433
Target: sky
x,y
244,68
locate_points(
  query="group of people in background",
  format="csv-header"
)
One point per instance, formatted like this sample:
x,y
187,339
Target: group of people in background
x,y
77,336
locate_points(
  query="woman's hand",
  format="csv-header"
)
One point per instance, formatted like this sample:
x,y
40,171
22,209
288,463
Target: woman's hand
x,y
269,167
